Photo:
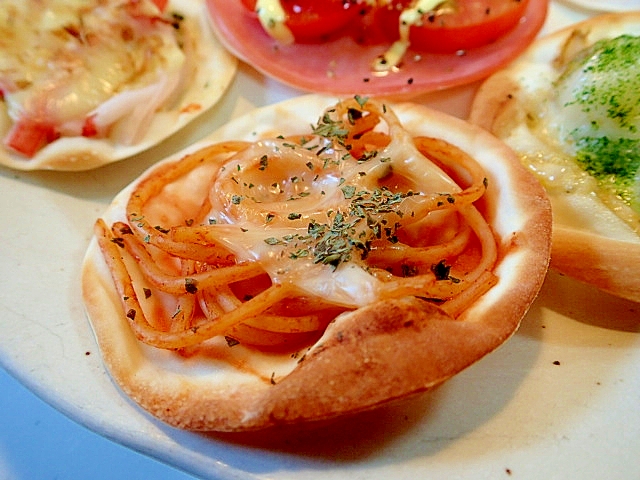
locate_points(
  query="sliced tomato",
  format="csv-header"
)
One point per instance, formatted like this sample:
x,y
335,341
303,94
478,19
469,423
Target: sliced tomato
x,y
161,4
460,25
310,20
342,65
89,128
27,137
141,11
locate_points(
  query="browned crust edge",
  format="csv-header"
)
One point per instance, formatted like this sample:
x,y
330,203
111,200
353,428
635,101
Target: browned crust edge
x,y
611,265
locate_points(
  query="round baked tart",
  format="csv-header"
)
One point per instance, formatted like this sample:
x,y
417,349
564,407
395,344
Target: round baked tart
x,y
83,84
570,107
311,260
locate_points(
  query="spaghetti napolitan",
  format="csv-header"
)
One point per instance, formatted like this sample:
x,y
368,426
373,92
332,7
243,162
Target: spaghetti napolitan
x,y
263,247
335,206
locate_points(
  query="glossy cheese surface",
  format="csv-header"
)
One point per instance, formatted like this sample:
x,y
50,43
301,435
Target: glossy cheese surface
x,y
267,198
62,60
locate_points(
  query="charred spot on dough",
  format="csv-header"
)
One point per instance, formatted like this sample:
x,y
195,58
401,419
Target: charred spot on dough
x,y
231,342
125,229
119,241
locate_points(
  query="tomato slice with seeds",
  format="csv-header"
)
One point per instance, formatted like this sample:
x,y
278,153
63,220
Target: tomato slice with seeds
x,y
459,25
310,20
343,63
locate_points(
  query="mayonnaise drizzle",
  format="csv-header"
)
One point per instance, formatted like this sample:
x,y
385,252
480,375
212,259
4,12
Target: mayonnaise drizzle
x,y
272,18
409,17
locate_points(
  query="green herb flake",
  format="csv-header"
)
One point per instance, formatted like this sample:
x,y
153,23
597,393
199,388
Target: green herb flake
x,y
273,241
348,191
362,101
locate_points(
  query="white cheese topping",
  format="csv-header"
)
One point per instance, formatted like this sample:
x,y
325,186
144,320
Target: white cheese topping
x,y
268,198
591,114
61,60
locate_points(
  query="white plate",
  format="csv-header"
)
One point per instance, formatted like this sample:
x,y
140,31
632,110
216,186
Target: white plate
x,y
559,400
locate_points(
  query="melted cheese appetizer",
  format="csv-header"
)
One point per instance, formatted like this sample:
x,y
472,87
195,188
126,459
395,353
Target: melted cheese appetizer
x,y
290,258
94,70
570,107
273,19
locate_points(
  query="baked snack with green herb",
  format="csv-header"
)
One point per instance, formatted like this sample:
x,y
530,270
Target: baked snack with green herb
x,y
570,107
312,260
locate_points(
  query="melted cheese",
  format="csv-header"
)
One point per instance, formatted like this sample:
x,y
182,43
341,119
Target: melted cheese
x,y
547,143
62,59
573,193
598,95
265,198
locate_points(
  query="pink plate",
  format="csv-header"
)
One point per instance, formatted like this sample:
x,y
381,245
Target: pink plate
x,y
343,67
